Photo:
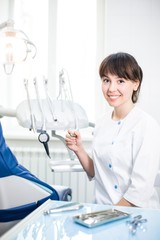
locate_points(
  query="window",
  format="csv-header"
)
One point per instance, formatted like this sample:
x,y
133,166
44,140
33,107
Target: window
x,y
76,48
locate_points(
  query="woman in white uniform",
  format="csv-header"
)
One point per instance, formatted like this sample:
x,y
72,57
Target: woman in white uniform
x,y
126,145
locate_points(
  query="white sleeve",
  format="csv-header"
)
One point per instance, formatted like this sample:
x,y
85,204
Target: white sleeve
x,y
146,160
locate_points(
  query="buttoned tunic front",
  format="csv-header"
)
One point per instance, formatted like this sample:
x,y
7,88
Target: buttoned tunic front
x,y
126,157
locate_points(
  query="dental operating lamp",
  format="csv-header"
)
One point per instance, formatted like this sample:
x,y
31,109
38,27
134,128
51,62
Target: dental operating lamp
x,y
14,46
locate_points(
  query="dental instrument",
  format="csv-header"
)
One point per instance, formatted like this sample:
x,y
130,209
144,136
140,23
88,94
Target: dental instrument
x,y
32,117
49,101
43,136
64,208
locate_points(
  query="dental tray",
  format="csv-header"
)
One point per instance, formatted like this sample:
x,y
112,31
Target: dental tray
x,y
94,219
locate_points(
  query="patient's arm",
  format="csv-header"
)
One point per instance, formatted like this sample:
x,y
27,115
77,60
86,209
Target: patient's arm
x,y
74,143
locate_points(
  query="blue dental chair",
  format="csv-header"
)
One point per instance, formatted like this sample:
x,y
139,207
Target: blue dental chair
x,y
21,192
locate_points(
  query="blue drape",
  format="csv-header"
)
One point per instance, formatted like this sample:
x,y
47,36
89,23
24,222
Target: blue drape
x,y
10,166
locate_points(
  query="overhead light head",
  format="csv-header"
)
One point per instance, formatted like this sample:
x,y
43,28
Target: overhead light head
x,y
14,46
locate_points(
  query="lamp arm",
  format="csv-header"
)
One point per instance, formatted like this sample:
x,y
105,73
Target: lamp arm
x,y
27,40
8,23
7,112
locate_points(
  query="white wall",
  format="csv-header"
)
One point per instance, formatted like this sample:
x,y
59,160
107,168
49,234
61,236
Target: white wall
x,y
134,26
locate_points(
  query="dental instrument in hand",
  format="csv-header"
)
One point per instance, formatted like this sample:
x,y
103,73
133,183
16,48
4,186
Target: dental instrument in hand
x,y
33,125
43,136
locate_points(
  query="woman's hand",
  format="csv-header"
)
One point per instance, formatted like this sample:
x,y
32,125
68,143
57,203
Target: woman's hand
x,y
74,143
73,140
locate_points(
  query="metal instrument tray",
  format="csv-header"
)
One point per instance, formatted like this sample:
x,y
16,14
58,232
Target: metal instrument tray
x,y
98,218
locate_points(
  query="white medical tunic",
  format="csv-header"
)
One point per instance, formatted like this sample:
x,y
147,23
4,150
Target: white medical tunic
x,y
126,157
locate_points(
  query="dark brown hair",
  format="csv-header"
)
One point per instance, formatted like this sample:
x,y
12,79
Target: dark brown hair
x,y
124,66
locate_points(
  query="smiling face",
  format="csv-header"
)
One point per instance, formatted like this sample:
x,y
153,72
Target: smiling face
x,y
118,91
121,78
121,81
